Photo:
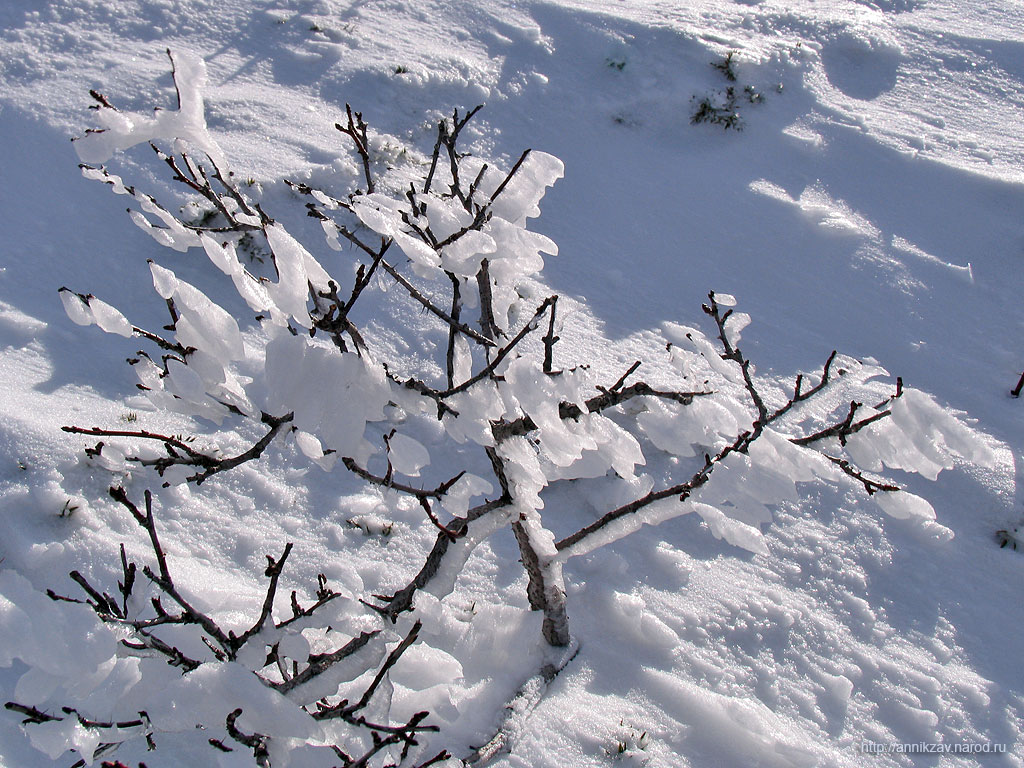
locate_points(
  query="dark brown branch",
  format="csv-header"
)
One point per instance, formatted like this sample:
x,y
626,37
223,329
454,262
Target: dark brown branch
x,y
508,177
433,518
164,580
198,181
347,711
161,342
481,217
211,465
170,346
442,129
174,76
175,656
843,429
102,603
433,308
681,490
502,353
256,741
102,100
608,399
427,391
144,434
273,572
356,130
439,757
1020,385
450,139
32,714
550,340
541,593
800,395
871,486
403,281
391,660
402,600
734,354
243,203
378,260
386,482
363,277
321,662
483,281
622,379
125,587
333,319
452,329
324,595
740,445
476,182
35,716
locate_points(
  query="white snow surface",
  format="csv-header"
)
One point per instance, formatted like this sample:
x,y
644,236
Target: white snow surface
x,y
872,203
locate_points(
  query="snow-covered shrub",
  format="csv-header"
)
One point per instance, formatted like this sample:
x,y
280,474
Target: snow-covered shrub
x,y
722,107
515,412
630,746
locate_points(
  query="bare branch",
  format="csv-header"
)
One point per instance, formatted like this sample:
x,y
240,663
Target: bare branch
x,y
608,399
452,329
508,177
542,591
273,572
356,130
175,442
502,353
402,600
164,580
211,465
433,308
843,429
256,741
799,395
391,660
550,340
871,486
387,482
734,354
483,281
321,662
346,711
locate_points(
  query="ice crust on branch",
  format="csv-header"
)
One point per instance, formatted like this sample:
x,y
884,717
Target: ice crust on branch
x,y
123,130
473,428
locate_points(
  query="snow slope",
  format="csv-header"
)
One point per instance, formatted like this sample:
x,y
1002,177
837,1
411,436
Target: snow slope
x,y
872,203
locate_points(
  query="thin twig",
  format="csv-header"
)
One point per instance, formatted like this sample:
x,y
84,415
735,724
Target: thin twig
x,y
387,482
483,282
356,130
800,395
502,353
273,572
321,662
551,339
256,741
871,486
452,329
734,354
